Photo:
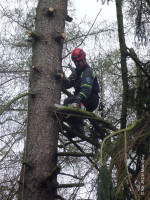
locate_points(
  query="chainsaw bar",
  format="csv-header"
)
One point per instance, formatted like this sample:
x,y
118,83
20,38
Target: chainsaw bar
x,y
72,105
59,106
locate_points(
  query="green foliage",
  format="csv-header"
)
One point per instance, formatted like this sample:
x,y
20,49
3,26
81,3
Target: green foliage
x,y
105,188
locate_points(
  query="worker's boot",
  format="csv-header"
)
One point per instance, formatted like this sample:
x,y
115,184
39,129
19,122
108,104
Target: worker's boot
x,y
79,126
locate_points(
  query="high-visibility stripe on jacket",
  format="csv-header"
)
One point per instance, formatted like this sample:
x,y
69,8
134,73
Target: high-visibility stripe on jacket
x,y
84,81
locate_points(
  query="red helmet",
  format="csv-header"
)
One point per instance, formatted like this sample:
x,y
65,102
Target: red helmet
x,y
77,54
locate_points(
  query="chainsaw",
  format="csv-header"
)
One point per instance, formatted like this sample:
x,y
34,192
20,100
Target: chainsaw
x,y
72,105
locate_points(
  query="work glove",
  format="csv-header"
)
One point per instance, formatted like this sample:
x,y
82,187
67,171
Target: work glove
x,y
73,99
68,100
77,100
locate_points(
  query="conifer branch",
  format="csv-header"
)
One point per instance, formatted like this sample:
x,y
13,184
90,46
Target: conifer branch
x,y
80,149
35,35
70,185
58,37
35,69
50,176
73,176
68,18
85,114
76,133
135,58
66,92
59,197
75,154
25,163
15,99
115,133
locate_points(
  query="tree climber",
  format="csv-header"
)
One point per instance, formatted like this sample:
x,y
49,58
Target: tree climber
x,y
86,86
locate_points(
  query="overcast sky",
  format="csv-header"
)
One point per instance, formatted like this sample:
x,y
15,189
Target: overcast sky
x,y
90,9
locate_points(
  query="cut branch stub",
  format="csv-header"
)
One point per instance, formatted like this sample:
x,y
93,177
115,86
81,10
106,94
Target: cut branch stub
x,y
50,11
35,35
35,69
58,74
50,176
68,18
27,164
59,37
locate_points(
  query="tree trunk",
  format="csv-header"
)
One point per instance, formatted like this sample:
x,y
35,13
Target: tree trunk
x,y
42,129
124,69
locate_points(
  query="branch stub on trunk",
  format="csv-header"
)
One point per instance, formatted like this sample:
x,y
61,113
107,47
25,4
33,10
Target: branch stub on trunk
x,y
59,37
35,69
35,35
68,18
51,11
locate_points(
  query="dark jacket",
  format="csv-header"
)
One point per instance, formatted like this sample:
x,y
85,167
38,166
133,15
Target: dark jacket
x,y
84,81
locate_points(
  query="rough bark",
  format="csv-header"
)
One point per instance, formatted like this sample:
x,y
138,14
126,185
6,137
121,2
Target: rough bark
x,y
43,129
124,70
